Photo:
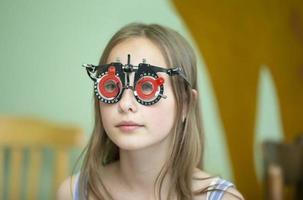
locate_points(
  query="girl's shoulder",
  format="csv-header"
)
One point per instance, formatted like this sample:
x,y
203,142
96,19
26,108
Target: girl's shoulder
x,y
210,187
66,190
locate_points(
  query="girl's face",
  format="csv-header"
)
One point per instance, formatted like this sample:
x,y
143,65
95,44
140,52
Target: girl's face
x,y
129,124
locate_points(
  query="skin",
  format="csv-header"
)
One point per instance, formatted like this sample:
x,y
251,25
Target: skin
x,y
154,132
144,150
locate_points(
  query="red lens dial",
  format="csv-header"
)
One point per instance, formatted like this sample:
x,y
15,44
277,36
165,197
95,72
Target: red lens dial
x,y
109,86
147,87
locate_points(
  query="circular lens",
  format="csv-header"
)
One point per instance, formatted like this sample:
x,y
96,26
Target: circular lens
x,y
109,87
147,88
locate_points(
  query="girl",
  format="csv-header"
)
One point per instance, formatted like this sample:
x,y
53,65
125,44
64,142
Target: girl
x,y
147,141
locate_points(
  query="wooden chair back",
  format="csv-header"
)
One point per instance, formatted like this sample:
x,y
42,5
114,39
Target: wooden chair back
x,y
18,135
283,169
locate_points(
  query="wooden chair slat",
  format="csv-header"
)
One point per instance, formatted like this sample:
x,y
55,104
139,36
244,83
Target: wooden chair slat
x,y
1,172
61,167
15,174
34,173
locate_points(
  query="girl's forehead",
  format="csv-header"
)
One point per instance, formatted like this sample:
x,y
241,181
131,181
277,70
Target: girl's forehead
x,y
139,49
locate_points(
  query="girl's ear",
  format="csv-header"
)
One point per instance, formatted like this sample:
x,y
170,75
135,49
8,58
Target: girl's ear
x,y
194,95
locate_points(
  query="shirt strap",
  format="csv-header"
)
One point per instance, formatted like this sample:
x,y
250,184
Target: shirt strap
x,y
76,188
217,189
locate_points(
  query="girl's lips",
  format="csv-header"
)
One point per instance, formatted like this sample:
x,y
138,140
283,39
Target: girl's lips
x,y
128,126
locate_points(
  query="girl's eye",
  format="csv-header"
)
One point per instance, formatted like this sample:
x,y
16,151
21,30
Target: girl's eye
x,y
110,86
147,88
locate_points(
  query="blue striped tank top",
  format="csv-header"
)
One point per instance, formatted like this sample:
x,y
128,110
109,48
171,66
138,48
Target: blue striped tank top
x,y
217,189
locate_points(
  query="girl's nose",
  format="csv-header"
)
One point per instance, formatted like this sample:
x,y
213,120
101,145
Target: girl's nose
x,y
127,102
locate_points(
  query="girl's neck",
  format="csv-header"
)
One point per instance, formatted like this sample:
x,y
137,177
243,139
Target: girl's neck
x,y
139,169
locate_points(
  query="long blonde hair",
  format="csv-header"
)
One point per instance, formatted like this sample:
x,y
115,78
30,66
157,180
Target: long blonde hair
x,y
187,146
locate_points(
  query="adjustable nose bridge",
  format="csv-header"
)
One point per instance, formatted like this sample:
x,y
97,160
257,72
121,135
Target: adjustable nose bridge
x,y
129,80
128,101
